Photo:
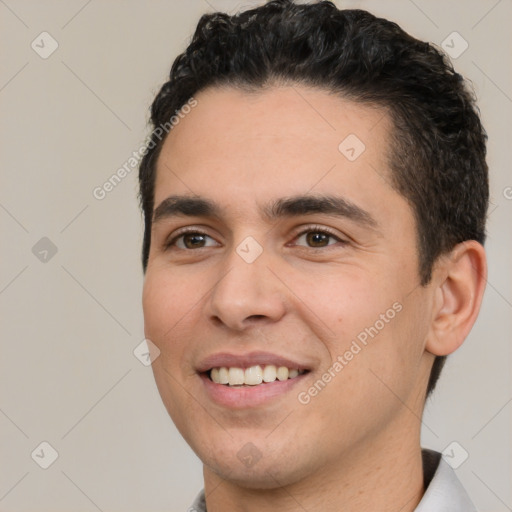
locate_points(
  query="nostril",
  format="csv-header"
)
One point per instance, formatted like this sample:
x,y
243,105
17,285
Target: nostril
x,y
237,324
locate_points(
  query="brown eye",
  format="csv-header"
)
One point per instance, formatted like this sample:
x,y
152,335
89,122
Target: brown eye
x,y
194,240
317,239
191,240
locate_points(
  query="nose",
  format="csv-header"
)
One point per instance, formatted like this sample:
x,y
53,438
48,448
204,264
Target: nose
x,y
247,294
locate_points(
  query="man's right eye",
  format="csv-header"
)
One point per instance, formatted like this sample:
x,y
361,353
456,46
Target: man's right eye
x,y
191,240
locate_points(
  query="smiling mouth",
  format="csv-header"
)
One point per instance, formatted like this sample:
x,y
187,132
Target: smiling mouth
x,y
252,376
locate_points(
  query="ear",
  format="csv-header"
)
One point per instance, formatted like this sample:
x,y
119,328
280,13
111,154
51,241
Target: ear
x,y
459,279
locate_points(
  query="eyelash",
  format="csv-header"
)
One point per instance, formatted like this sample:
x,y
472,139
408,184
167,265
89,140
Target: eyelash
x,y
309,229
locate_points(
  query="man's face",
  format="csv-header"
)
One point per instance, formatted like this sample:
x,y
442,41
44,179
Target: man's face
x,y
251,267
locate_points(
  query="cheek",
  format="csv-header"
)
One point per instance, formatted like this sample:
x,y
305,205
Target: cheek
x,y
166,301
343,303
368,322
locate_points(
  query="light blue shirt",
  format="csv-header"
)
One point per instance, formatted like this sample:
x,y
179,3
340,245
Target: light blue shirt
x,y
444,492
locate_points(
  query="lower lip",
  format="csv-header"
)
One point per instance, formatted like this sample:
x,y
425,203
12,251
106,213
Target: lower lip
x,y
248,396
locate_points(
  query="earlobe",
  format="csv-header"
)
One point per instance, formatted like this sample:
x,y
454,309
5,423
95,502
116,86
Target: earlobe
x,y
461,277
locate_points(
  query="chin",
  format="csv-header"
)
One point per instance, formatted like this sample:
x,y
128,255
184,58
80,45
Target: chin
x,y
257,464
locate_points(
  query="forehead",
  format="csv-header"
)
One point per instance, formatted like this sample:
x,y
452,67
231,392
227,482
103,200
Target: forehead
x,y
234,145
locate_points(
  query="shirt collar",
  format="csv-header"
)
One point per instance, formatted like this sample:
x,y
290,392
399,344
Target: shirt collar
x,y
444,492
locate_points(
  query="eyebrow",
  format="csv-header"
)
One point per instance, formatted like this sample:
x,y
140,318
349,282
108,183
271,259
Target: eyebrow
x,y
174,206
328,205
194,206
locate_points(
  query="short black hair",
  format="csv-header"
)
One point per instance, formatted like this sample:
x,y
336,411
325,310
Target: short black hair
x,y
438,162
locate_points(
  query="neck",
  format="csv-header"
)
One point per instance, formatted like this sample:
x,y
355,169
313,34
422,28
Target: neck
x,y
384,475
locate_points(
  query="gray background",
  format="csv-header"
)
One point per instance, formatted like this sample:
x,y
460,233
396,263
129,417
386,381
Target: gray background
x,y
70,323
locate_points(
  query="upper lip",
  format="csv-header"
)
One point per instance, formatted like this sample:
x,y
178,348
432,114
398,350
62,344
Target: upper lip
x,y
247,360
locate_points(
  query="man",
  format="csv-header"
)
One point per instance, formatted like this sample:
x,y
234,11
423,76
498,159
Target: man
x,y
314,223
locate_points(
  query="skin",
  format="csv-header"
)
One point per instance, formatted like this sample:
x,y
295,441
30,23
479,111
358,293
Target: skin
x,y
356,444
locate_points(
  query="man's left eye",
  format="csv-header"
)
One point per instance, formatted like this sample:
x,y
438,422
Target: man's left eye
x,y
316,239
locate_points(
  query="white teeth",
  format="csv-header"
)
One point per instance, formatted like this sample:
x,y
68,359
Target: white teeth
x,y
223,375
215,375
236,376
252,376
282,373
269,373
